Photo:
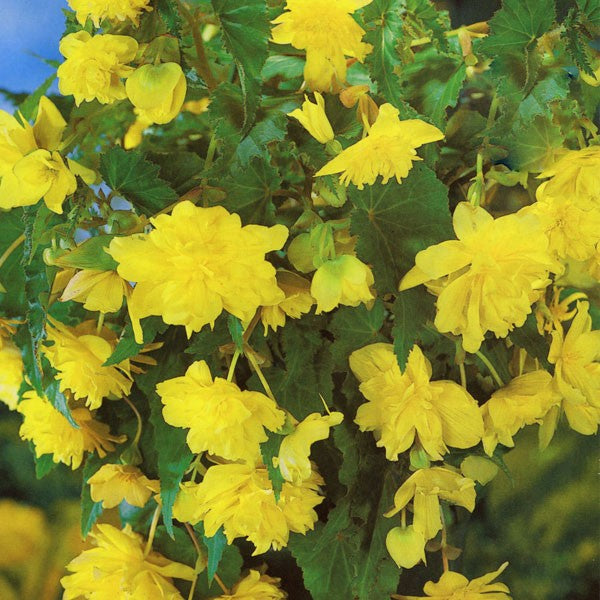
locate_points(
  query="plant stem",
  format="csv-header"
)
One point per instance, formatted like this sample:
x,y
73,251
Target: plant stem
x,y
138,433
486,361
463,375
100,323
152,532
192,535
11,249
234,360
259,372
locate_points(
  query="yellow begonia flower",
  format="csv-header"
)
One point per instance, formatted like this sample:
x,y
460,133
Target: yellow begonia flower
x,y
117,565
51,433
23,533
114,10
255,587
406,546
405,406
479,469
297,301
78,354
11,373
488,279
157,91
342,280
454,586
94,66
313,118
328,33
222,419
524,401
196,263
133,135
426,487
576,357
294,452
196,107
241,499
388,150
112,484
97,290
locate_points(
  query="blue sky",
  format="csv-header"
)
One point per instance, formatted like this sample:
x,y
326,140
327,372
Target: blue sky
x,y
28,27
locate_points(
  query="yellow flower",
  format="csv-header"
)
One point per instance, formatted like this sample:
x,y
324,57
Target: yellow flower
x,y
11,373
388,150
405,406
51,433
255,587
197,107
114,10
23,533
241,499
78,354
222,419
328,33
117,567
488,279
294,452
342,280
426,487
133,135
454,586
157,91
313,118
196,263
576,357
406,546
97,290
479,469
524,401
111,484
94,66
297,301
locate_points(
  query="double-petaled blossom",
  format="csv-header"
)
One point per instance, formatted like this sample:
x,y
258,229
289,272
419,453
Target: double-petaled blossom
x,y
113,10
255,586
222,419
314,119
11,373
328,33
111,484
97,290
196,263
406,406
488,279
51,432
118,567
95,66
388,150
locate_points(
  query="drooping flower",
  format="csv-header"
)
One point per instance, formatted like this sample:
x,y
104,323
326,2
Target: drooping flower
x,y
222,419
97,290
111,484
113,10
406,546
297,301
157,91
454,586
51,432
328,33
488,279
95,66
196,263
117,565
11,373
342,280
406,406
293,459
314,119
78,354
388,150
426,487
23,533
255,586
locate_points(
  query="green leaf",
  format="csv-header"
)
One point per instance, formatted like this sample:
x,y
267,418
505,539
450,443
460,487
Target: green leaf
x,y
245,28
423,19
127,346
269,450
181,170
591,10
29,106
12,276
577,39
229,571
169,14
90,510
43,464
236,331
395,221
59,401
216,546
136,179
528,337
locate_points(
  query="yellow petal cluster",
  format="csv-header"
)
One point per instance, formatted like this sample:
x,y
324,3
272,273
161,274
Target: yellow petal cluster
x,y
196,263
342,280
51,433
328,33
111,484
23,533
11,373
240,498
95,66
157,91
255,586
98,290
388,150
113,10
426,487
78,354
406,406
488,279
454,586
314,119
117,567
222,419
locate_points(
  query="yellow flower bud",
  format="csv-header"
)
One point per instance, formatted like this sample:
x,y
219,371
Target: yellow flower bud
x,y
406,546
313,118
